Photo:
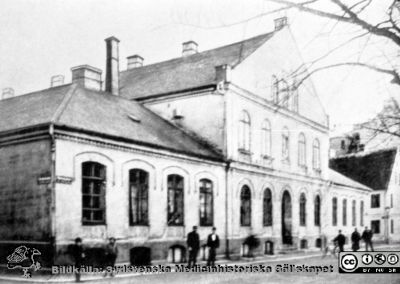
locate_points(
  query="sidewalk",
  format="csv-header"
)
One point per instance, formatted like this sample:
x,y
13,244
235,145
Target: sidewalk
x,y
37,277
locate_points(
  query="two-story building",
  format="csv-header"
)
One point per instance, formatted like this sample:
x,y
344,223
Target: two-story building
x,y
380,171
218,138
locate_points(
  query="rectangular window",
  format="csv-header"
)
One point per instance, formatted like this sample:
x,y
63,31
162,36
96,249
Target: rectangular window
x,y
139,190
391,200
375,201
175,200
353,213
344,212
376,226
391,226
93,193
334,211
362,213
206,203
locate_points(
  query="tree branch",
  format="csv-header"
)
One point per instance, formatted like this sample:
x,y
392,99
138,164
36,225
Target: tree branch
x,y
394,74
352,18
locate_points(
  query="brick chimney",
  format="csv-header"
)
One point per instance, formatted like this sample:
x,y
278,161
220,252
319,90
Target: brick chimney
x,y
280,23
57,80
134,61
87,76
112,66
7,93
189,48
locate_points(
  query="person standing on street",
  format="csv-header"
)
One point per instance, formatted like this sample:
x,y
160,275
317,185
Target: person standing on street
x,y
79,256
213,244
111,255
193,243
367,238
355,240
340,240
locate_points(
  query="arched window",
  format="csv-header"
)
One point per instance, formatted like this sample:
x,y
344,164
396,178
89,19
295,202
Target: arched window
x,y
275,89
362,213
285,144
344,207
316,155
334,211
317,211
353,213
138,197
267,207
302,150
93,193
303,206
244,131
266,138
206,203
286,94
245,206
175,200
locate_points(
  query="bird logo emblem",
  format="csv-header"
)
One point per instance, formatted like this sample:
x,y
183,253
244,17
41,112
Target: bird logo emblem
x,y
24,257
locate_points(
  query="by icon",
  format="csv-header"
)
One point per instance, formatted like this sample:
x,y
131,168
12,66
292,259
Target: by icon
x,y
367,259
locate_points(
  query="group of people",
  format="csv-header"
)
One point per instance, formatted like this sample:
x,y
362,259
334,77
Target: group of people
x,y
111,253
193,243
366,236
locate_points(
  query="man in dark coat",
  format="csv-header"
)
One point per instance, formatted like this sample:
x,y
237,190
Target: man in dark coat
x,y
193,243
79,256
340,240
213,244
111,255
355,240
367,238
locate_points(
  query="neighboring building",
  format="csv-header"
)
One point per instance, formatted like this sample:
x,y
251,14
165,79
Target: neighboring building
x,y
380,132
215,138
379,170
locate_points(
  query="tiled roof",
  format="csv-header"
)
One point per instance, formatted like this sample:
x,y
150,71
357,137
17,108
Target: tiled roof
x,y
339,179
99,113
372,169
187,72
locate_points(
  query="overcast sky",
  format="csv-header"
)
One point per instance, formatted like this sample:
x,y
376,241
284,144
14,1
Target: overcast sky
x,y
41,38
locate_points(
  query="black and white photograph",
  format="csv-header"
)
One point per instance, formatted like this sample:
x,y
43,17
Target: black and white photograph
x,y
200,141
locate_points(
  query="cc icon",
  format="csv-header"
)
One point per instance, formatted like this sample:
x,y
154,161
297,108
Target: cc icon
x,y
349,262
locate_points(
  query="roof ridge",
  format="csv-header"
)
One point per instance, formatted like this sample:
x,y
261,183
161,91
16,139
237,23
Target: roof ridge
x,y
199,53
60,109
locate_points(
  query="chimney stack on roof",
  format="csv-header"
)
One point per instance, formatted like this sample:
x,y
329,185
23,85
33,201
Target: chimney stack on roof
x,y
189,48
280,23
134,61
87,76
57,80
7,93
112,66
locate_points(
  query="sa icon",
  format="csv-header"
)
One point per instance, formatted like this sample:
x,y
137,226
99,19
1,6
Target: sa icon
x,y
349,262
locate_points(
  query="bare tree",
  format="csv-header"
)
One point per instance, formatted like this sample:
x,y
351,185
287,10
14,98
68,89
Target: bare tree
x,y
386,123
388,28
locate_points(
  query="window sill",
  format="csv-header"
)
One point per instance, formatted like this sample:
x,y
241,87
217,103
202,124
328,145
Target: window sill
x,y
244,151
93,224
318,171
267,158
176,225
304,168
139,225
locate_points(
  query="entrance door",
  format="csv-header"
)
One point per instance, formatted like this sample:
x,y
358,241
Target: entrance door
x,y
286,218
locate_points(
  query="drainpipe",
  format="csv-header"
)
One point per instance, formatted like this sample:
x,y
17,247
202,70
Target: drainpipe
x,y
227,169
52,192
